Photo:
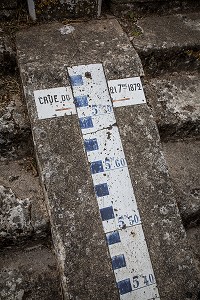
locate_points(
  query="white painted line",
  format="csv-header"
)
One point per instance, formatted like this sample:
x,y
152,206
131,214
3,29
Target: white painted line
x,y
126,91
55,102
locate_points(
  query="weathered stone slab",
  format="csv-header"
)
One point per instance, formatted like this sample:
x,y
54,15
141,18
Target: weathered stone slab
x,y
76,225
175,101
29,273
168,42
59,9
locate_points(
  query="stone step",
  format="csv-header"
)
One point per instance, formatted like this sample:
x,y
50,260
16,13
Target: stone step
x,y
169,49
8,4
8,62
166,43
23,212
29,273
175,101
74,214
183,161
143,7
15,132
8,9
193,235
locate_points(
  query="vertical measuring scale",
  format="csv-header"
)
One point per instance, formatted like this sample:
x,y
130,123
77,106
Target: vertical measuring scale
x,y
112,184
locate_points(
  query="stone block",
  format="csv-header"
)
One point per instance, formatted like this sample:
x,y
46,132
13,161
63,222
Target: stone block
x,y
43,55
60,9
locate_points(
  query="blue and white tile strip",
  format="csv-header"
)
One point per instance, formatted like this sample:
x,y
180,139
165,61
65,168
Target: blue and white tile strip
x,y
113,188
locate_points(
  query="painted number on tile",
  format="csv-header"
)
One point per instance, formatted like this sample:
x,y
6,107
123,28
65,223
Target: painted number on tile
x,y
127,91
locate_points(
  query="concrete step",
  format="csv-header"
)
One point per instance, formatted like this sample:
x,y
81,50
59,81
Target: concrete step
x,y
174,98
29,273
166,43
74,214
